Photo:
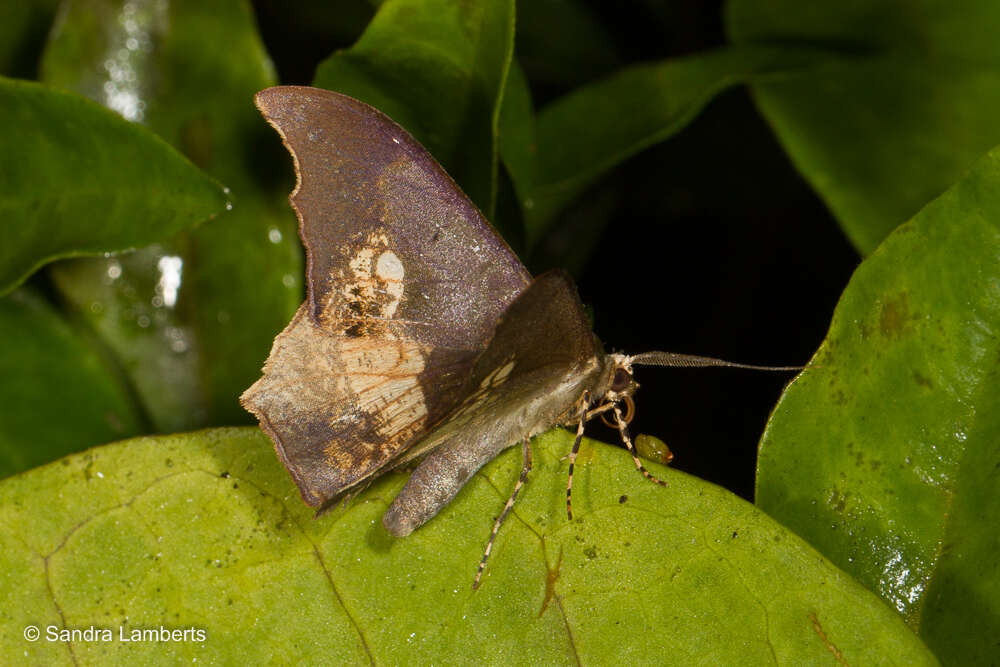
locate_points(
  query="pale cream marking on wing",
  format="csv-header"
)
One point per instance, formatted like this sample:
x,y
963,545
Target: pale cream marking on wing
x,y
385,379
390,270
361,264
388,266
495,378
499,375
375,270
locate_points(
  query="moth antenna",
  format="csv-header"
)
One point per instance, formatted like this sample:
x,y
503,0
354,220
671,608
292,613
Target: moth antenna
x,y
526,450
623,430
694,361
584,416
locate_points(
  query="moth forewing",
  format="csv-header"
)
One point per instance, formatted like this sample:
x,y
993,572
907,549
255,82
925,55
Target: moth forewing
x,y
392,321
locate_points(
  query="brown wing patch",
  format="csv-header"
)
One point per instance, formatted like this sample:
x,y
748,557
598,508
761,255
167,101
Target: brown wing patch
x,y
338,408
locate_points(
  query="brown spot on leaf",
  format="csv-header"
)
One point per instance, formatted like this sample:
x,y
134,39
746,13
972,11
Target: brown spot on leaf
x,y
829,645
895,316
551,577
837,501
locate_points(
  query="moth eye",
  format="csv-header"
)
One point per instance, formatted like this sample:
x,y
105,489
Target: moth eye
x,y
621,380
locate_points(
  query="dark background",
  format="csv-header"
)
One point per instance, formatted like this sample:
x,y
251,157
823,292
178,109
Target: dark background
x,y
710,243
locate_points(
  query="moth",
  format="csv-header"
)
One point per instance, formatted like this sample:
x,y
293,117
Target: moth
x,y
423,339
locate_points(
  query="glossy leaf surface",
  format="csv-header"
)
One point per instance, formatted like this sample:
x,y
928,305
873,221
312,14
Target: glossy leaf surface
x,y
58,395
886,455
206,531
76,180
905,99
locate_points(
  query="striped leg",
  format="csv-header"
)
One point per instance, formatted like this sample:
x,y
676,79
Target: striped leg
x,y
526,450
623,430
572,461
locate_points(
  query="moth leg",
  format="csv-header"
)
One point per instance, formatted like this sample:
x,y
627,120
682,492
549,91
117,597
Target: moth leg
x,y
526,468
629,412
584,416
623,430
600,410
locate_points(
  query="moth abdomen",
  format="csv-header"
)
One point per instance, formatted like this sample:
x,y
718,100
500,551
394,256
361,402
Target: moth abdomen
x,y
437,480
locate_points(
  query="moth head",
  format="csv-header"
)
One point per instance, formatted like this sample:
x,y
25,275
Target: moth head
x,y
617,383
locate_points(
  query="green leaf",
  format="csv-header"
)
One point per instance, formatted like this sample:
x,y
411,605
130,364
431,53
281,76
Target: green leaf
x,y
564,43
584,134
206,531
436,67
58,395
886,456
23,26
517,134
192,318
905,100
76,179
